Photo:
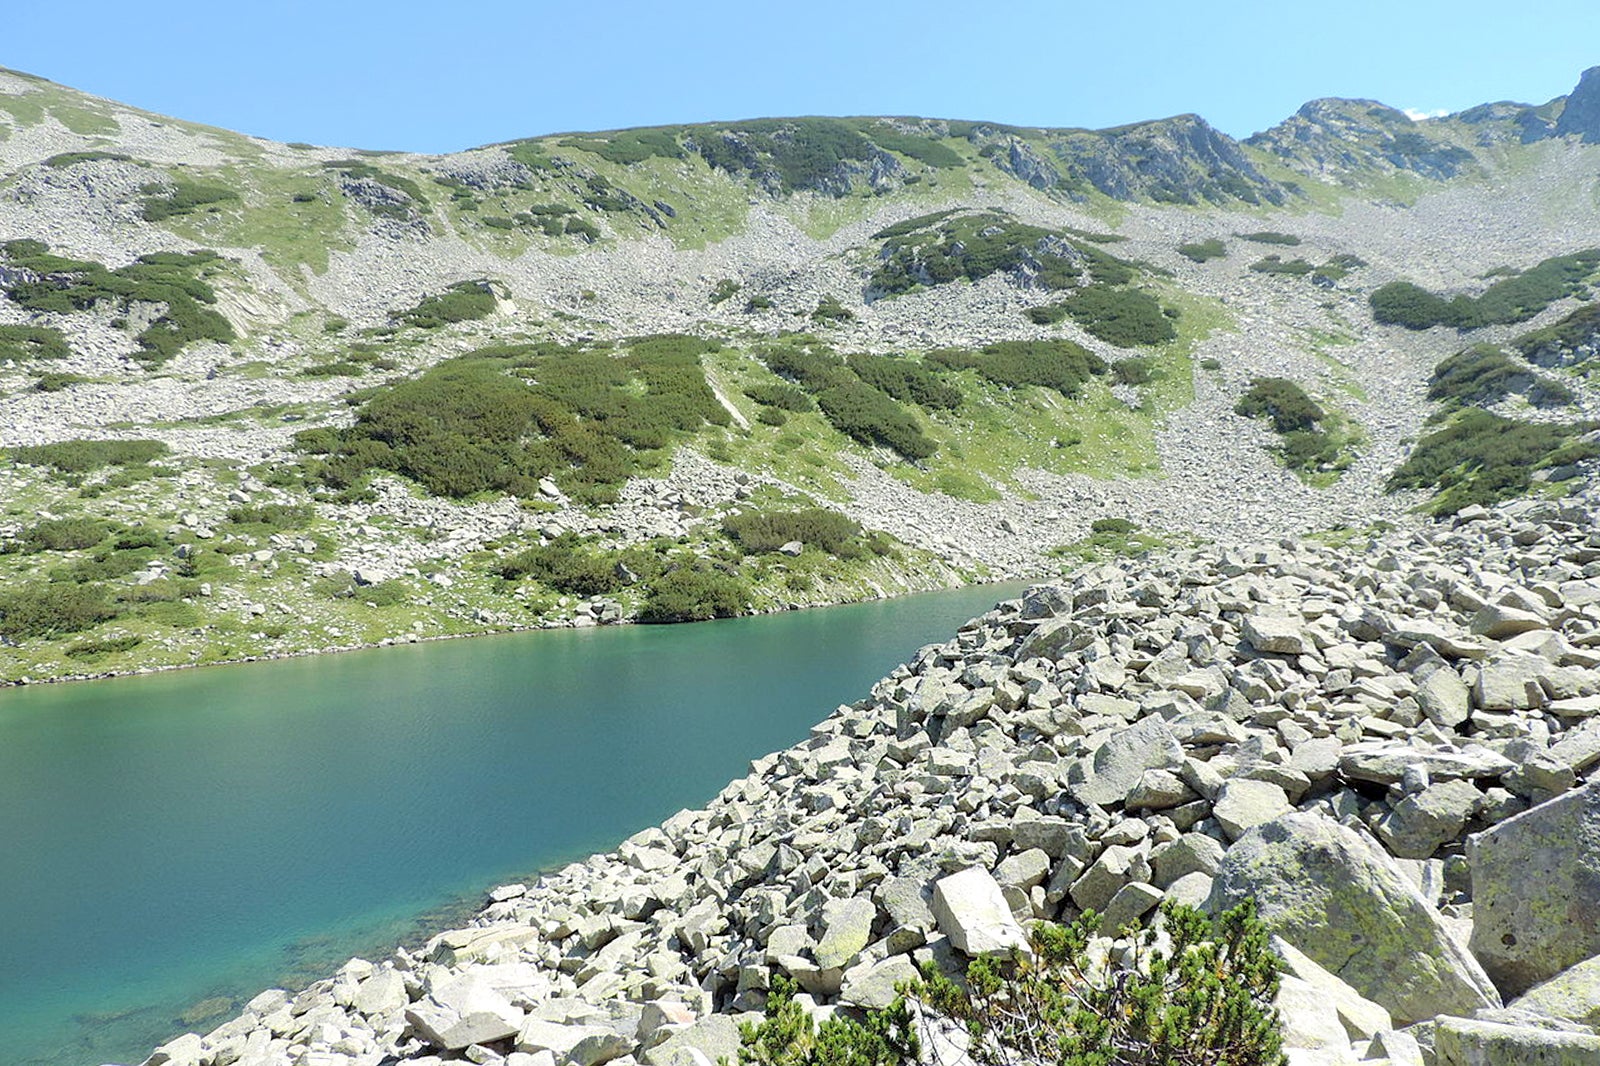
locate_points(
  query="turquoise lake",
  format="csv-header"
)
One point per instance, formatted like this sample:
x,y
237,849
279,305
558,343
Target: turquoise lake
x,y
172,844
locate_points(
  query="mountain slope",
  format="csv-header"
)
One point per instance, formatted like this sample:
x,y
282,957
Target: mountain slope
x,y
697,370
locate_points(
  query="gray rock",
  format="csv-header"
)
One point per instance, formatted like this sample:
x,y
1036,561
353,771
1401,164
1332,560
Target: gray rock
x,y
1419,824
1536,890
847,928
1244,804
1466,1042
971,910
872,984
1131,903
1574,994
1121,761
1281,636
1343,902
1444,698
712,1039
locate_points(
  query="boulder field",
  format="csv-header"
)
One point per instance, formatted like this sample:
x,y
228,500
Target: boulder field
x,y
1389,744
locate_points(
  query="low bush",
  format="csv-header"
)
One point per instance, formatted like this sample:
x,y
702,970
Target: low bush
x,y
724,289
82,456
1201,251
1273,264
273,517
1124,317
567,565
95,649
781,395
1136,370
55,381
1508,300
1270,237
1054,364
69,159
626,147
757,532
184,197
1483,458
32,342
464,301
829,309
1198,992
1576,330
974,246
862,412
1281,401
360,171
48,609
694,594
1483,375
907,380
62,535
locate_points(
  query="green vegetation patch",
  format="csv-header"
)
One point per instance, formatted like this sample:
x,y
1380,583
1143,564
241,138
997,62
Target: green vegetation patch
x,y
48,609
1273,264
1579,329
759,532
695,593
856,406
464,301
500,419
1270,237
787,155
1482,458
1124,317
1311,439
184,197
1483,375
60,535
568,565
1509,300
629,146
359,170
69,159
1199,993
1201,251
1053,364
32,342
173,279
1110,538
83,456
941,248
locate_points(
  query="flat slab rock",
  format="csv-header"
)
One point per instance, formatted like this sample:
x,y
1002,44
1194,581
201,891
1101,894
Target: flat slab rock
x,y
971,910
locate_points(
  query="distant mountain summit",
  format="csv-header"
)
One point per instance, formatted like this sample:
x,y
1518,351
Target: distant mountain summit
x,y
1581,115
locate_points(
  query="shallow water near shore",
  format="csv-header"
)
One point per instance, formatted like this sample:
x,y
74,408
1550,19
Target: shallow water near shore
x,y
172,844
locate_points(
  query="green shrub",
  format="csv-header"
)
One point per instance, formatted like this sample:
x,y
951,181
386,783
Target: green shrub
x,y
912,225
973,246
1282,402
1053,364
870,417
918,146
274,516
1270,237
1577,329
82,456
184,198
95,649
462,302
1124,317
1509,300
55,381
32,342
781,395
629,146
1119,526
175,279
772,416
1199,995
694,594
1275,265
335,324
1483,458
724,290
68,159
62,535
906,380
48,609
758,302
1136,370
829,309
1484,375
566,565
1210,363
359,170
1200,251
757,532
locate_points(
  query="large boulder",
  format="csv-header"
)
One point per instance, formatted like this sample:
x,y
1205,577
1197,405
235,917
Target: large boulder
x,y
1536,890
1344,902
1573,994
1467,1042
1117,765
971,910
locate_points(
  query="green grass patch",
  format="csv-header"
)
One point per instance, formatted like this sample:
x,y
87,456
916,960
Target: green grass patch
x,y
83,456
1109,538
1053,364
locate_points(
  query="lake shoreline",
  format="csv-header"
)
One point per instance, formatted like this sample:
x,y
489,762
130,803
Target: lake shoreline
x,y
413,638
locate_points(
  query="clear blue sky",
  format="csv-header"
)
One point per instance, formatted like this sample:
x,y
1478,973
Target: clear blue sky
x,y
412,76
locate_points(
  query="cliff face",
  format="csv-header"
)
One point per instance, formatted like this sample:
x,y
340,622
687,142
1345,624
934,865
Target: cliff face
x,y
1581,115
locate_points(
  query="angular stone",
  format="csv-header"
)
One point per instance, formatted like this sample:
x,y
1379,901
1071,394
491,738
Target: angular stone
x,y
381,993
1497,622
871,985
1049,834
906,900
1511,683
1464,1042
1132,902
1280,636
847,928
540,1035
1243,804
1360,1017
1102,880
1158,790
1574,994
1385,763
1121,761
1536,890
1420,823
1444,698
971,910
1345,903
446,1029
1023,870
712,1039
1189,853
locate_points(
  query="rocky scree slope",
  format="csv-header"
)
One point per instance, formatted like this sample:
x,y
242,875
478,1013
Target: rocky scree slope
x,y
1390,746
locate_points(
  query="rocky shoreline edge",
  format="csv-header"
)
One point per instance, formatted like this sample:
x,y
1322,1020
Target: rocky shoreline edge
x,y
1391,748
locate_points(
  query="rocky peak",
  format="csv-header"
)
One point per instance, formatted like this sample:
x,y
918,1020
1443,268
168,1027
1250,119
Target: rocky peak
x,y
1581,116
